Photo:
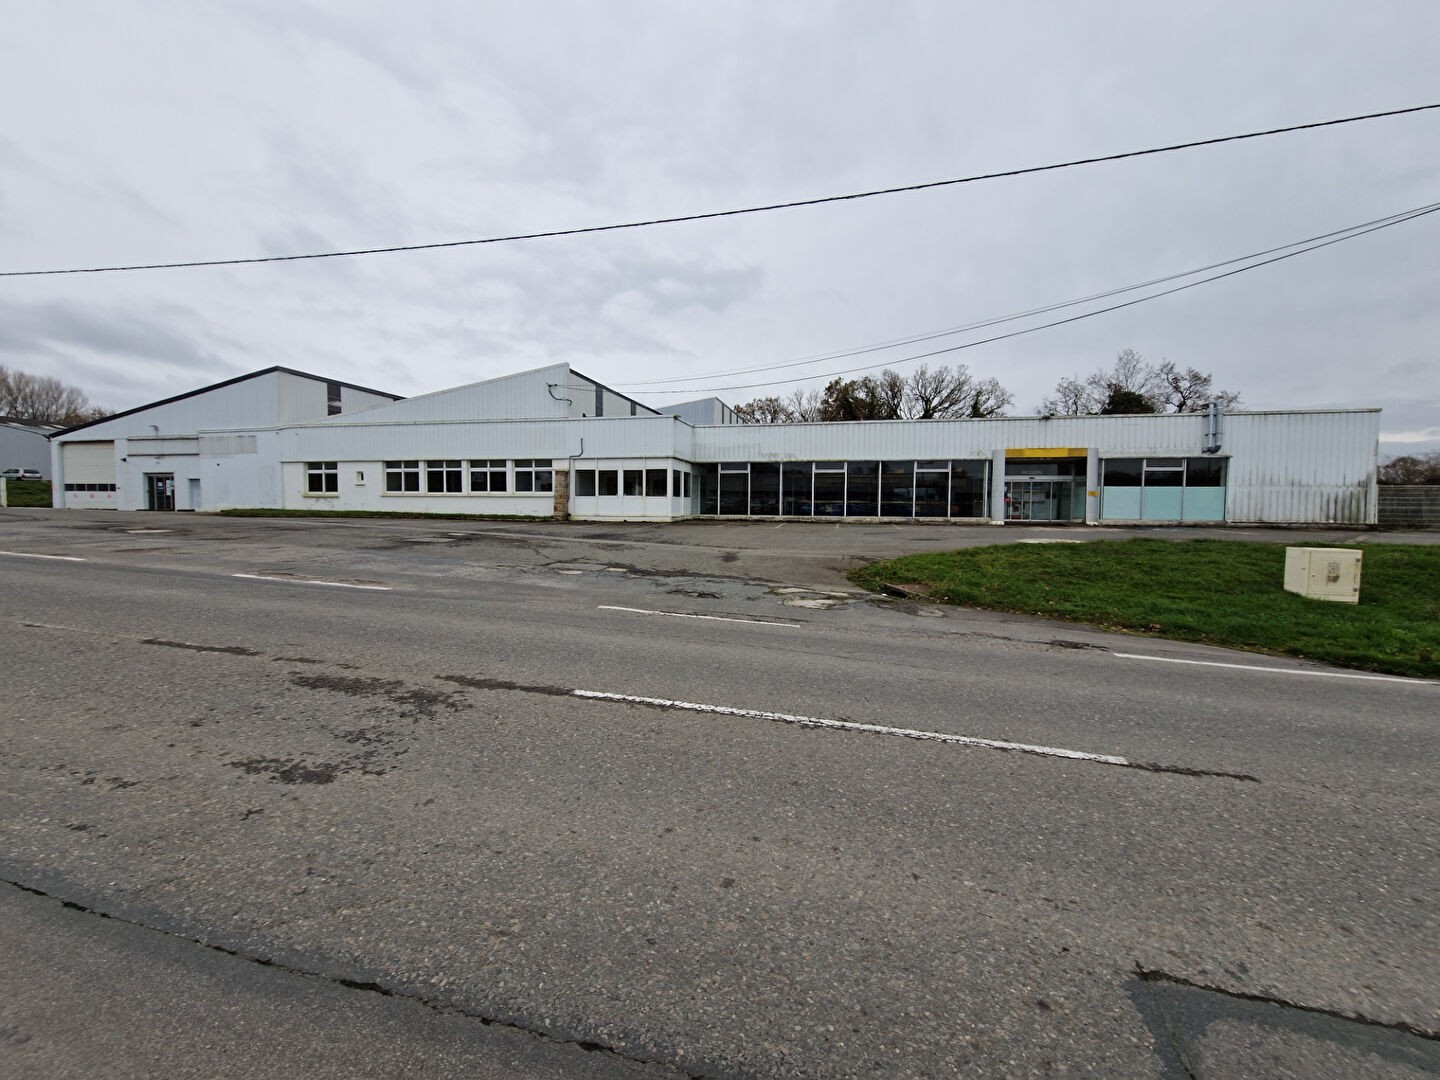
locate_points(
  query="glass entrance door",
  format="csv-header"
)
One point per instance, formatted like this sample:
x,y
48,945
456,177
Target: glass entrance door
x,y
159,491
1039,499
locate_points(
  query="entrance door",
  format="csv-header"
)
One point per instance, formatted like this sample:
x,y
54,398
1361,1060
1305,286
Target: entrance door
x,y
159,491
1030,500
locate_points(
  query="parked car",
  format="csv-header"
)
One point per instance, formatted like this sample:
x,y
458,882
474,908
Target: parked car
x,y
20,474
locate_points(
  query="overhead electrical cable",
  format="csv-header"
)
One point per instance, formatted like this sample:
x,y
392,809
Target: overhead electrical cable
x,y
709,215
932,335
1385,224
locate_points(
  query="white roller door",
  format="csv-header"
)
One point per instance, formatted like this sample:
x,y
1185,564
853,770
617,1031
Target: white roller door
x,y
88,469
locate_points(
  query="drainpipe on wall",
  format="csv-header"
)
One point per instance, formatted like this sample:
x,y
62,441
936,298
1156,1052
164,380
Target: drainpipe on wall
x,y
1214,427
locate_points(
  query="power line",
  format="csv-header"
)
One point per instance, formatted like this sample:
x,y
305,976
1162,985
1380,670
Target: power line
x,y
1384,223
725,213
933,335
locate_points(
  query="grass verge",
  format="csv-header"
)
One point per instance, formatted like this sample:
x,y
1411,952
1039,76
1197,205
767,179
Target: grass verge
x,y
27,492
1219,592
262,512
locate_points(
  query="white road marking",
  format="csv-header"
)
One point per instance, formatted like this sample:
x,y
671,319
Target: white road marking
x,y
849,725
688,615
1276,670
31,555
312,581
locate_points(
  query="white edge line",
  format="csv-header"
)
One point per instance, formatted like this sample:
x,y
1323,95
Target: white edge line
x,y
31,555
688,615
849,725
312,581
1277,670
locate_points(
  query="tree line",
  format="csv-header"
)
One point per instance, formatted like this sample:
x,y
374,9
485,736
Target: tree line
x,y
1133,385
43,399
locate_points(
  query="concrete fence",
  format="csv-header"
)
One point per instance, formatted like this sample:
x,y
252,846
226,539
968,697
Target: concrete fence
x,y
1409,506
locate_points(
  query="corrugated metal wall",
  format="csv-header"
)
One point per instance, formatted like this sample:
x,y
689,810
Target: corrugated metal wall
x,y
902,439
1303,466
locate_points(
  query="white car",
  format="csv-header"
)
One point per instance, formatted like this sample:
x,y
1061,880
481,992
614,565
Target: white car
x,y
20,474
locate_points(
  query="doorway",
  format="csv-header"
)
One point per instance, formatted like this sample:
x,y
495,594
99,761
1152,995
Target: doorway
x,y
159,491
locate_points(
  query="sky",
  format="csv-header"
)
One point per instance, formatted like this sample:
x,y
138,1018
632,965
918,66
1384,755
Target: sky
x,y
168,131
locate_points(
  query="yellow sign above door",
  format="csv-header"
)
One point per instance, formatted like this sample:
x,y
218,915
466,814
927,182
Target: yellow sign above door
x,y
1048,452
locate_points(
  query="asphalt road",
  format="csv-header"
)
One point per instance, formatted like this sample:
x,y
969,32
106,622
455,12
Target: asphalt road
x,y
680,796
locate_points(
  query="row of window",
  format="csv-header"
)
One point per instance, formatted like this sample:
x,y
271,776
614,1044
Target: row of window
x,y
90,487
447,476
649,483
941,488
1164,472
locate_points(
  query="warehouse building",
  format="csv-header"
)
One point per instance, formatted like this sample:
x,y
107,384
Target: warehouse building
x,y
551,442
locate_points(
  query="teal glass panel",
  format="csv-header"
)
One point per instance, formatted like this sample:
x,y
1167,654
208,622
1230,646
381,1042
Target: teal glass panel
x,y
1161,504
1120,503
1204,504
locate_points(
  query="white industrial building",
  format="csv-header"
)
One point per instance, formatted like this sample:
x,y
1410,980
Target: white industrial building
x,y
25,446
551,442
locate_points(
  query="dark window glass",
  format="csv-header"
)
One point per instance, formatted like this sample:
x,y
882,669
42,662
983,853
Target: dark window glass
x,y
402,476
1163,477
862,492
1122,472
709,489
332,398
932,489
609,482
796,501
829,493
687,484
443,477
655,483
765,488
734,490
897,488
634,482
675,484
1204,472
968,494
585,483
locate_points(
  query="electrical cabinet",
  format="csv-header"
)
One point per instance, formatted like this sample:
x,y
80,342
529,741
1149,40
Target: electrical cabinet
x,y
1324,573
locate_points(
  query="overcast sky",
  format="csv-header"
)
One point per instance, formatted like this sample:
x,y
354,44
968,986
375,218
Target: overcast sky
x,y
157,131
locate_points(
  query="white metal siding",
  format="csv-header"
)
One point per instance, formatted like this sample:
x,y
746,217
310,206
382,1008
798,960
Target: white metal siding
x,y
522,396
1303,466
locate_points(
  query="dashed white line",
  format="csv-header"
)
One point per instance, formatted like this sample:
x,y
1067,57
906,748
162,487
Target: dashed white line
x,y
312,581
1277,670
691,615
32,555
850,725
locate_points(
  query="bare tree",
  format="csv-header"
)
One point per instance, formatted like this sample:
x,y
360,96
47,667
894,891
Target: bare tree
x,y
1412,469
941,393
931,395
988,398
1134,385
769,410
1071,398
1190,390
804,406
43,399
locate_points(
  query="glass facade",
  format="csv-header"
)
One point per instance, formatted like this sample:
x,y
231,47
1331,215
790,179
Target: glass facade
x,y
893,489
1163,489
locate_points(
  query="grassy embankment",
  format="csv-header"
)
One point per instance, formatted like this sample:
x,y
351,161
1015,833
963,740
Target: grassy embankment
x,y
27,493
1219,592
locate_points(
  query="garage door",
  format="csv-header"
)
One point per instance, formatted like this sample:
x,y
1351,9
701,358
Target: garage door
x,y
89,472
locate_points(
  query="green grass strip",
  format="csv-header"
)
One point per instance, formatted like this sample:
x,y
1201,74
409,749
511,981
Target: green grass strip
x,y
1219,592
27,492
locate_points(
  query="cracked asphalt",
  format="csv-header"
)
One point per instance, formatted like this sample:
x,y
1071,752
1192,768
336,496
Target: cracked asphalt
x,y
322,796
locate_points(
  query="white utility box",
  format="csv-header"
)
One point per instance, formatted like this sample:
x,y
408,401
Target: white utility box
x,y
1324,573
